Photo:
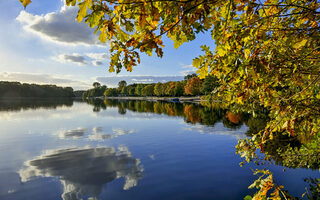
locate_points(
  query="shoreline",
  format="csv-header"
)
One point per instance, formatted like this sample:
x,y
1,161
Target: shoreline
x,y
196,99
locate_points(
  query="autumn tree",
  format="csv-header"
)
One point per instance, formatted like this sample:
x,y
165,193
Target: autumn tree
x,y
158,89
189,76
138,89
209,84
111,92
193,86
148,90
170,88
179,88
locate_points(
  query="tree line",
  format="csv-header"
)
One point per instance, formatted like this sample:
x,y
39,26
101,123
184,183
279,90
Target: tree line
x,y
17,90
190,86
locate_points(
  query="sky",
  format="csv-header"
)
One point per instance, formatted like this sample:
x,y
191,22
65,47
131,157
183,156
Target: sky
x,y
44,44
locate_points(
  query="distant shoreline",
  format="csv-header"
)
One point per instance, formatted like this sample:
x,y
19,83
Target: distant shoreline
x,y
168,99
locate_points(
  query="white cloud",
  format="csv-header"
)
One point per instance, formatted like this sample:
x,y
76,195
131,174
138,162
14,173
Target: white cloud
x,y
95,59
98,59
97,63
188,69
59,27
74,58
98,56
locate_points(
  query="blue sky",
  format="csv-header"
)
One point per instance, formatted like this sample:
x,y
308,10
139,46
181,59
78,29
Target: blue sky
x,y
44,44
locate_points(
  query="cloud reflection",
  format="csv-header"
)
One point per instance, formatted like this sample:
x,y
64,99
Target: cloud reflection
x,y
74,134
98,134
83,172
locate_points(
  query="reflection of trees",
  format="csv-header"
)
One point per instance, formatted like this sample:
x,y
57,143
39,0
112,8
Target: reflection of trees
x,y
98,104
232,120
83,172
210,116
33,103
288,151
192,113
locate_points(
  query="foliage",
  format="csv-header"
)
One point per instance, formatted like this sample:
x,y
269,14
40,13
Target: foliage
x,y
209,84
170,88
96,91
265,183
131,90
193,86
111,92
179,89
17,90
138,90
25,2
189,76
147,90
96,84
159,89
121,85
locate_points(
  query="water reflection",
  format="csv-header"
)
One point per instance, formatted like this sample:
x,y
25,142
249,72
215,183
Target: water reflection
x,y
99,135
30,103
194,114
74,134
84,172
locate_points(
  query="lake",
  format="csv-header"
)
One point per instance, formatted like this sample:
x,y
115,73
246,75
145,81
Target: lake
x,y
64,149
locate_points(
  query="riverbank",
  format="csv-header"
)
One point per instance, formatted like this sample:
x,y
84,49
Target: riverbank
x,y
168,99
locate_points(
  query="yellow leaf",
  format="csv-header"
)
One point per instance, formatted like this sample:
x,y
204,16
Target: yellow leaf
x,y
103,35
300,44
25,3
247,53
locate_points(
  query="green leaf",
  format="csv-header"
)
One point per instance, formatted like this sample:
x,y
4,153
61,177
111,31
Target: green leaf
x,y
248,197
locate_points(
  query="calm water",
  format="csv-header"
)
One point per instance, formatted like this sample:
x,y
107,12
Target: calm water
x,y
126,150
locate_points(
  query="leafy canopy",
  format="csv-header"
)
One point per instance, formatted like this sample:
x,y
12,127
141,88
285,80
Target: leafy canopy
x,y
267,52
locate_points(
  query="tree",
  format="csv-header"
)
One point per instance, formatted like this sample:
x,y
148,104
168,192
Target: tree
x,y
131,90
209,84
158,89
189,76
96,84
124,90
147,90
16,89
111,92
138,89
193,86
122,84
169,88
178,89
